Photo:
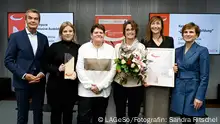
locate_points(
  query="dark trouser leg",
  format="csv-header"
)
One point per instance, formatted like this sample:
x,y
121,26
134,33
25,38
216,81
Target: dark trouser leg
x,y
54,101
56,113
99,109
120,98
68,112
187,119
22,105
84,110
135,99
37,92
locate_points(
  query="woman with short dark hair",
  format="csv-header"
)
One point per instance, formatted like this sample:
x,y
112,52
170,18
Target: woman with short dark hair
x,y
188,95
95,69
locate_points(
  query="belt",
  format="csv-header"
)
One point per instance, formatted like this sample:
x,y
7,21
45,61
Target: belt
x,y
188,74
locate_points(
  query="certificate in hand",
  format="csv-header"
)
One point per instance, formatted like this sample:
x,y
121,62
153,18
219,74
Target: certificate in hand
x,y
160,67
69,72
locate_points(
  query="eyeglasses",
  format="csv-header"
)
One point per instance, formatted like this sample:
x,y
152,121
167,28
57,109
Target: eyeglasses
x,y
129,29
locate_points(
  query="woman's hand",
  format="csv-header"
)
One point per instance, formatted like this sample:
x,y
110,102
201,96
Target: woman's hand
x,y
197,104
175,68
146,85
95,89
62,67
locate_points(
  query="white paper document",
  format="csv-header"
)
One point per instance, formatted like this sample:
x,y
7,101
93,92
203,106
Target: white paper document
x,y
160,67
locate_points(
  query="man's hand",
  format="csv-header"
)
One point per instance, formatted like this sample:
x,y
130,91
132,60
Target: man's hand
x,y
40,75
29,77
95,89
37,78
197,104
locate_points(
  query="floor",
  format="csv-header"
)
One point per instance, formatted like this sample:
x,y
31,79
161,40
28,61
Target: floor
x,y
8,114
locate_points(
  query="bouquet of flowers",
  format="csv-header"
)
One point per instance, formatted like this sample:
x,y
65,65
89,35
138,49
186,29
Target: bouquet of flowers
x,y
133,64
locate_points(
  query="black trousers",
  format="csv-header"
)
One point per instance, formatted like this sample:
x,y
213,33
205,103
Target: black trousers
x,y
187,119
91,109
36,93
61,113
134,95
61,102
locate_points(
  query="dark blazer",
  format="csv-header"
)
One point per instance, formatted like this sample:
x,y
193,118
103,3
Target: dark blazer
x,y
191,80
20,59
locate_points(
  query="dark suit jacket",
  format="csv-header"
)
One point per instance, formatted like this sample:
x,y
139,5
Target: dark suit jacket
x,y
20,59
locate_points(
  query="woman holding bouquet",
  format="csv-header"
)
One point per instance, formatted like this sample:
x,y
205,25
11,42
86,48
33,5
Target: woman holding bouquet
x,y
156,98
126,87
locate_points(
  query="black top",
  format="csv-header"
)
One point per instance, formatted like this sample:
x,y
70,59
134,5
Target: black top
x,y
54,58
166,43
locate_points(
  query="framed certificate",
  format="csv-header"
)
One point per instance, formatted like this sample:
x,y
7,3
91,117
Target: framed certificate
x,y
160,62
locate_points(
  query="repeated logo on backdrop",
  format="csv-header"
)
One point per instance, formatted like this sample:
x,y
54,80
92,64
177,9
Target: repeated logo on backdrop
x,y
16,22
114,27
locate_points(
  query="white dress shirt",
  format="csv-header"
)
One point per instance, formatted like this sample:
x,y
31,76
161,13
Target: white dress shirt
x,y
33,40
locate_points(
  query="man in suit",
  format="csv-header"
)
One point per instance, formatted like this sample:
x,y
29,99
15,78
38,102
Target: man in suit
x,y
24,58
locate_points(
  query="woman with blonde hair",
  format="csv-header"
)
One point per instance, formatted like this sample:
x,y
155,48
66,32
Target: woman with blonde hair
x,y
62,93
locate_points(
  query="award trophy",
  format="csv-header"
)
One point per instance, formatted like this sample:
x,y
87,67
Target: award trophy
x,y
69,72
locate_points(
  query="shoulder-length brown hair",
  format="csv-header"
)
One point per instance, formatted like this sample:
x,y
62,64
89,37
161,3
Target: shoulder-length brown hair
x,y
149,32
65,24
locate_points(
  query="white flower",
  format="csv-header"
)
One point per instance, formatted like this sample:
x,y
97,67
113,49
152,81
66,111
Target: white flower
x,y
136,70
139,66
123,61
134,60
132,65
124,55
